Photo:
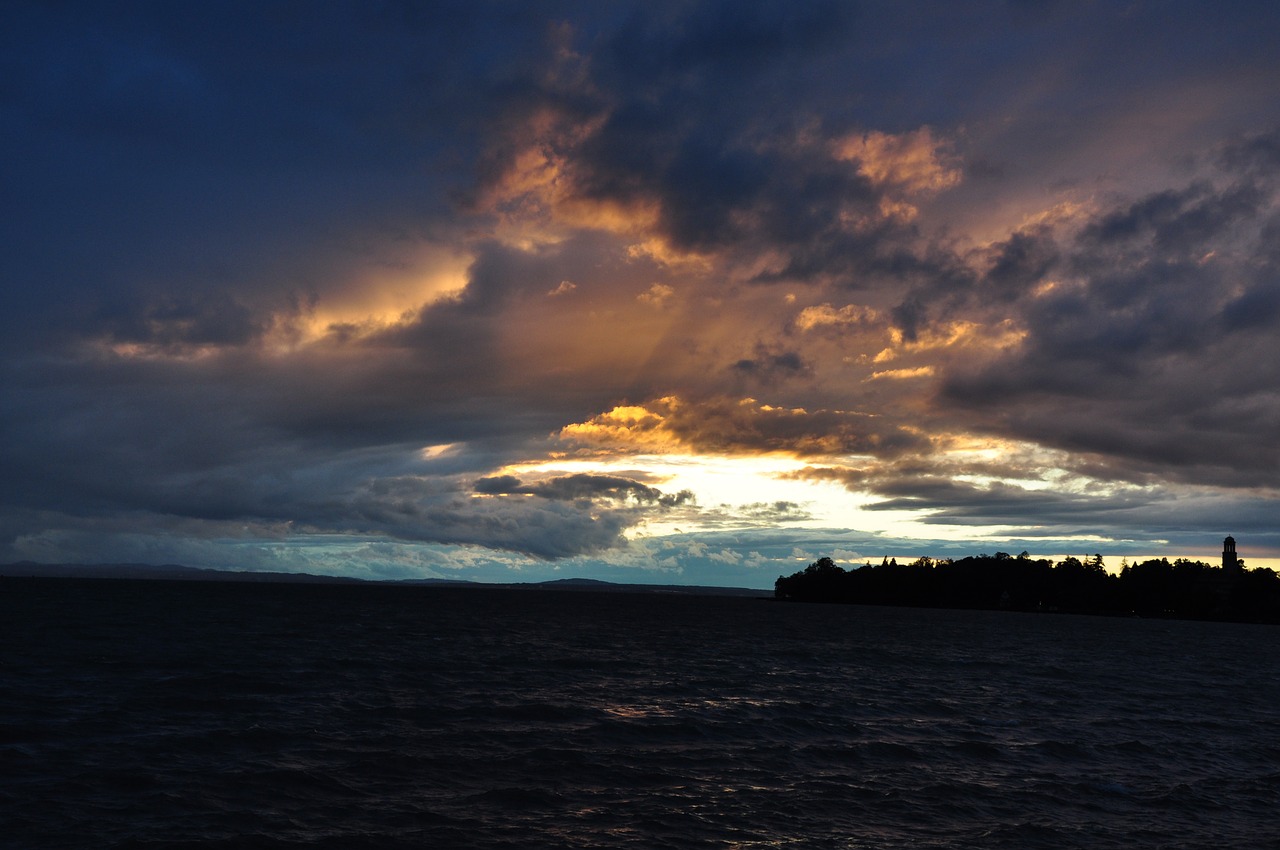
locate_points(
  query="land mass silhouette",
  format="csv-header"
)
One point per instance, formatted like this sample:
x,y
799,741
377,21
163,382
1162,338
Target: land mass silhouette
x,y
1183,589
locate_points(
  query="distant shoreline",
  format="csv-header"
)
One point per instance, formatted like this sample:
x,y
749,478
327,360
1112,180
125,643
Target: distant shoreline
x,y
175,572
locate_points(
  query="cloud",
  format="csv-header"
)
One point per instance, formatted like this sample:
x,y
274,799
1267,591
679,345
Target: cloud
x,y
542,528
657,296
582,487
774,512
177,324
769,365
1019,264
745,426
642,142
825,315
902,374
1148,347
258,272
911,163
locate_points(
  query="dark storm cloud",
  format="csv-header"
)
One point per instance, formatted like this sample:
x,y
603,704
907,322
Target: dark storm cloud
x,y
157,151
1048,513
767,365
1155,343
956,502
582,486
1020,262
194,470
1177,221
1149,254
709,116
176,321
408,509
1256,307
1038,512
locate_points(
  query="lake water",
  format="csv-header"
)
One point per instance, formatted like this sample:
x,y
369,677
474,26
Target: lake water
x,y
165,714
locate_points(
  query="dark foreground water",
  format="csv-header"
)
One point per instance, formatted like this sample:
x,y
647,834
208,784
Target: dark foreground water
x,y
157,714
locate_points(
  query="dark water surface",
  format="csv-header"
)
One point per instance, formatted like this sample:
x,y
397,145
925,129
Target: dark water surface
x,y
159,714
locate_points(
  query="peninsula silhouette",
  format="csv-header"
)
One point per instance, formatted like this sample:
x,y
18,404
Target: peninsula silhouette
x,y
1183,588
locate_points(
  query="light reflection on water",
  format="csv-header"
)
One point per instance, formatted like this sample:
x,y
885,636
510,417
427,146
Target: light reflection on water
x,y
497,718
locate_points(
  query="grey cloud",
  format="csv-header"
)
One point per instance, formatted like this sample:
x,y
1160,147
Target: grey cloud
x,y
774,512
1155,346
681,121
542,528
1140,515
583,486
1143,262
499,485
1021,262
729,425
911,315
1178,221
177,321
242,433
256,151
1256,153
1137,517
1257,307
389,493
932,282
772,365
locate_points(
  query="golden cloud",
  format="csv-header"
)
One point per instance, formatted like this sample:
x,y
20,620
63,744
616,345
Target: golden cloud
x,y
537,200
913,162
901,374
659,295
629,427
726,426
951,335
824,315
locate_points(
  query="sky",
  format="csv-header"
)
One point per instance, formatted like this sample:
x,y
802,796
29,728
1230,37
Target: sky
x,y
660,292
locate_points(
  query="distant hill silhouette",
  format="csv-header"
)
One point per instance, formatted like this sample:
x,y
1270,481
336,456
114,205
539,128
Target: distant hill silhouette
x,y
1154,588
174,572
168,572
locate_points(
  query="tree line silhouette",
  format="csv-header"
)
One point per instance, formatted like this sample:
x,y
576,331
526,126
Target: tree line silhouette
x,y
1155,588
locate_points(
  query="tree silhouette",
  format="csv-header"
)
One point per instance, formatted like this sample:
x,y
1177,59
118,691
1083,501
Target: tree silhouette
x,y
1156,587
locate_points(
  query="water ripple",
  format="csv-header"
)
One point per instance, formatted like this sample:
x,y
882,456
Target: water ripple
x,y
149,715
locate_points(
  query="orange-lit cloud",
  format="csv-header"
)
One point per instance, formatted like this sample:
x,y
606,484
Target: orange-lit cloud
x,y
536,197
913,163
824,315
659,295
903,374
742,426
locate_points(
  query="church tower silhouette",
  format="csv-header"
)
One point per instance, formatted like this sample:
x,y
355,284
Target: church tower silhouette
x,y
1230,563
